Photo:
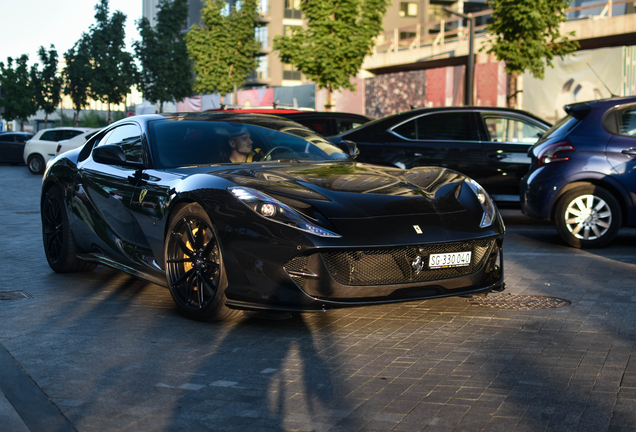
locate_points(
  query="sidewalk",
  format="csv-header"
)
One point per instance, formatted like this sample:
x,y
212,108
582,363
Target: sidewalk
x,y
23,406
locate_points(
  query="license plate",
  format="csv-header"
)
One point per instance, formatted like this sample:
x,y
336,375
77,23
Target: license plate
x,y
455,259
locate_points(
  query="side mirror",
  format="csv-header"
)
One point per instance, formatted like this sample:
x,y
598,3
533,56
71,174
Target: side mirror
x,y
351,148
111,154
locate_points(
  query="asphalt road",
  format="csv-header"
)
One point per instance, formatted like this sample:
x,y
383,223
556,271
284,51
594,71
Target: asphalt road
x,y
102,351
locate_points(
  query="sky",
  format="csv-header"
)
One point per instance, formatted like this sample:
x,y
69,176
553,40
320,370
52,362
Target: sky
x,y
25,25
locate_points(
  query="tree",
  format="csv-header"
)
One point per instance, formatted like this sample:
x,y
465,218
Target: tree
x,y
114,71
166,73
338,36
19,96
77,75
224,48
47,83
527,36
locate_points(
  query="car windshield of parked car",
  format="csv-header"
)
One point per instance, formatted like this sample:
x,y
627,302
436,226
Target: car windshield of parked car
x,y
190,143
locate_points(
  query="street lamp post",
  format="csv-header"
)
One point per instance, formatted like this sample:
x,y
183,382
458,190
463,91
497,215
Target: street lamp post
x,y
470,66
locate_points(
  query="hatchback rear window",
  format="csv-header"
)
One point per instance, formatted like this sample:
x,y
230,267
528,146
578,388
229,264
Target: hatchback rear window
x,y
563,126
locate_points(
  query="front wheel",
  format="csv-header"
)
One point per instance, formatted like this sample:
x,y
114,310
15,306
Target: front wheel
x,y
59,245
36,164
194,266
588,217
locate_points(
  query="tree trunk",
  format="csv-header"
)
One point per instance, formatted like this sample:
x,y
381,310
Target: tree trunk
x,y
512,90
329,105
109,117
46,120
75,118
160,107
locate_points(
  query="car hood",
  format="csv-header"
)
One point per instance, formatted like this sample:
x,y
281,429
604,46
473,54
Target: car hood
x,y
350,190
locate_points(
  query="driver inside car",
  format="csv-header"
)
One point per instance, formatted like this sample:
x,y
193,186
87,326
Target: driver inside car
x,y
240,147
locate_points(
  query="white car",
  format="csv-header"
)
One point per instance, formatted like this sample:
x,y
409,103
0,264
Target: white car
x,y
75,142
43,146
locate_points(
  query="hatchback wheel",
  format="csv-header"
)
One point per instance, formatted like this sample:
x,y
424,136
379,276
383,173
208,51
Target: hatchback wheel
x,y
36,164
194,266
588,217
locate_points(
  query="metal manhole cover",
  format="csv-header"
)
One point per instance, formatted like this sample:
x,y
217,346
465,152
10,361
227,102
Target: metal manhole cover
x,y
14,295
26,212
518,301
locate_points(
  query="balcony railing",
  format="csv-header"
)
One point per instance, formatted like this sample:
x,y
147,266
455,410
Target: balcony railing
x,y
451,29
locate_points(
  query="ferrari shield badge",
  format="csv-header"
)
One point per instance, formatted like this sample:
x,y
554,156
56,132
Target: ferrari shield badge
x,y
142,195
417,229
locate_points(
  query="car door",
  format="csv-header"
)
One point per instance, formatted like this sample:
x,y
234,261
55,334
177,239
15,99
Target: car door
x,y
108,191
621,154
447,139
508,138
11,148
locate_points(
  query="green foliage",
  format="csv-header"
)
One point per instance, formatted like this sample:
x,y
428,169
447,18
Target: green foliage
x,y
223,49
338,37
19,94
166,73
114,71
526,34
47,83
77,74
65,120
95,119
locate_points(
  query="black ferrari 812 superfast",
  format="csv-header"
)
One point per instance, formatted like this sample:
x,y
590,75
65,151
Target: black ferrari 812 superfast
x,y
255,212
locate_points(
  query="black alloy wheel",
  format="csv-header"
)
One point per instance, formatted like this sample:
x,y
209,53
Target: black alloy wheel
x,y
194,266
59,245
36,164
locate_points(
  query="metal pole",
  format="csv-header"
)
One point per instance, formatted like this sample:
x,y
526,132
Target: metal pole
x,y
470,64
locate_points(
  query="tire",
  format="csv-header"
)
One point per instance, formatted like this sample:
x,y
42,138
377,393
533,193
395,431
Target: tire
x,y
36,164
59,245
194,266
588,217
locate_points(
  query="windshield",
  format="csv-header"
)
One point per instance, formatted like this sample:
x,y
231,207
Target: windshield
x,y
189,143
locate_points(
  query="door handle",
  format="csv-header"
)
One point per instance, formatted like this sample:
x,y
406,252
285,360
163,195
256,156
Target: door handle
x,y
497,156
630,152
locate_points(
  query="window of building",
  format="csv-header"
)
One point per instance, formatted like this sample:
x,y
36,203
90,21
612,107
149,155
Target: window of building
x,y
260,34
261,70
291,73
263,7
292,9
408,9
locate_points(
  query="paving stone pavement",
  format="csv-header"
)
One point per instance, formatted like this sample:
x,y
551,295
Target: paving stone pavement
x,y
110,353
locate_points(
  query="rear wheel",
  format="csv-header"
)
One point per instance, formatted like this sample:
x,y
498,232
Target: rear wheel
x,y
194,266
36,164
59,245
588,217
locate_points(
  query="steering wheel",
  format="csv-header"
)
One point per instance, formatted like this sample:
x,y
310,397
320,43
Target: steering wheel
x,y
276,149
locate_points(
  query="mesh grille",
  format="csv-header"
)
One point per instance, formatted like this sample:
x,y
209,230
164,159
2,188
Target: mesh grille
x,y
394,266
298,264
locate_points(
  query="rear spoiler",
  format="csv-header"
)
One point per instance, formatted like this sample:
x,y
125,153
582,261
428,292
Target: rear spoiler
x,y
577,110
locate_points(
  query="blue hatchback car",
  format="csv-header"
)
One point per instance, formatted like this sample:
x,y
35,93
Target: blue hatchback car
x,y
583,172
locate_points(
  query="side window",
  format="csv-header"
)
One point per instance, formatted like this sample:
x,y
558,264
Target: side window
x,y
319,125
22,138
407,130
627,122
128,137
511,130
10,138
347,124
49,136
68,134
455,126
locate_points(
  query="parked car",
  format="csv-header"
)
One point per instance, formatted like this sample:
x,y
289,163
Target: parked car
x,y
12,146
489,145
583,172
42,147
75,142
325,123
304,229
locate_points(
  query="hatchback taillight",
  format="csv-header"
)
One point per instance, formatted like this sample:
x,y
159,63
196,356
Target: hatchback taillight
x,y
554,153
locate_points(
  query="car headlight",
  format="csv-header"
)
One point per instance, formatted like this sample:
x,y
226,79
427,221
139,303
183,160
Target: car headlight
x,y
274,210
490,210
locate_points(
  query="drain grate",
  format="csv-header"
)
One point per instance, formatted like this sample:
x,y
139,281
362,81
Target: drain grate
x,y
518,301
14,295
